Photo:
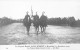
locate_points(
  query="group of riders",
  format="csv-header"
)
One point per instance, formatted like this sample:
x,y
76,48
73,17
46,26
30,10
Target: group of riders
x,y
37,22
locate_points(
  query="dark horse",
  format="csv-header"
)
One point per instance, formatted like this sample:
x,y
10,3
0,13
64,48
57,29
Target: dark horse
x,y
36,22
43,22
27,22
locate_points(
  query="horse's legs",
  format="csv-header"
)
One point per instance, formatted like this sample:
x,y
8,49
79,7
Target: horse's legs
x,y
27,31
36,30
41,28
28,28
44,28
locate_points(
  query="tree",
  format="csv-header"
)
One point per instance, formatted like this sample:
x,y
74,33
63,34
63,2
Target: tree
x,y
64,21
71,21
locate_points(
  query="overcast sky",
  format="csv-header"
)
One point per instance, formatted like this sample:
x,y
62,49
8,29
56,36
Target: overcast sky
x,y
17,9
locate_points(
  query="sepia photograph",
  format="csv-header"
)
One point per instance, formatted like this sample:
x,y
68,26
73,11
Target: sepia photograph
x,y
25,22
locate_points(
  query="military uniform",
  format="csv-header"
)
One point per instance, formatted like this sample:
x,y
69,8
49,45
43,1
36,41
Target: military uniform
x,y
36,20
43,21
27,20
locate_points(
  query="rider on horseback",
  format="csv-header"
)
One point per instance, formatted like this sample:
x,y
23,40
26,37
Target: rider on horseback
x,y
36,22
43,22
36,19
27,22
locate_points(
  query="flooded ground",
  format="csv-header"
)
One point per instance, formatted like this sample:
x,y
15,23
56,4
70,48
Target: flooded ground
x,y
16,34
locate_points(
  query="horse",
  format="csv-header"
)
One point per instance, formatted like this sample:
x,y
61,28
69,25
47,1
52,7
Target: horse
x,y
36,23
27,23
43,23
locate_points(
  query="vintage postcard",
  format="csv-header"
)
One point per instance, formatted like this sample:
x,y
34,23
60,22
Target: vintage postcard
x,y
39,24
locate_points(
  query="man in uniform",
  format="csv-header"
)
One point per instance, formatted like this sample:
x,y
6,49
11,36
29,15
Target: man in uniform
x,y
27,22
36,22
43,22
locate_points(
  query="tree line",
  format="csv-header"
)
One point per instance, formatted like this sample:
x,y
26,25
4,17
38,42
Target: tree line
x,y
6,21
70,21
66,21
